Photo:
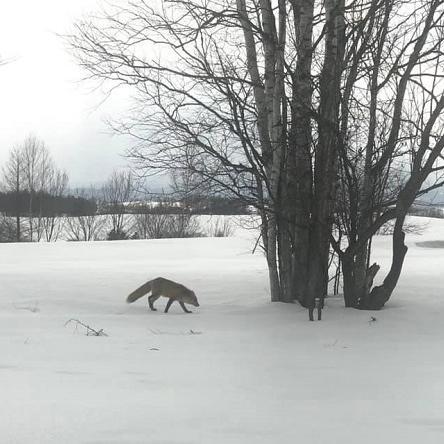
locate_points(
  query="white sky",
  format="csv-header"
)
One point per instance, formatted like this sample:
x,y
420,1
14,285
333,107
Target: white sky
x,y
40,92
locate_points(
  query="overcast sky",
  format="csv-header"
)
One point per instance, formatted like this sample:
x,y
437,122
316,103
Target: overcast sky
x,y
40,92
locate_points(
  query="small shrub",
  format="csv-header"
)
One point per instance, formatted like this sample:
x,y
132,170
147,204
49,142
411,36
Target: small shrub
x,y
160,226
118,234
221,228
8,229
85,228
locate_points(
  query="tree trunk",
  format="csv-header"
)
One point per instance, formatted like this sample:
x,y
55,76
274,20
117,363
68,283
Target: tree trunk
x,y
356,275
377,298
349,287
269,238
286,269
299,171
17,224
31,222
17,200
326,156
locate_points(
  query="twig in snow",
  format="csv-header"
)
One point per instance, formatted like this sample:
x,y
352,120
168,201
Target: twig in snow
x,y
89,331
332,344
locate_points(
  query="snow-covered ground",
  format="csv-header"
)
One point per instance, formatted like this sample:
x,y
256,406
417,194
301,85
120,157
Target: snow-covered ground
x,y
237,370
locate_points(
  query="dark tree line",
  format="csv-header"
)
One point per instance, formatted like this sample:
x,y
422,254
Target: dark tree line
x,y
195,204
20,203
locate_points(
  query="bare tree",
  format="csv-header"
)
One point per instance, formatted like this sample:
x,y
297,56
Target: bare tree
x,y
186,187
274,101
52,220
154,225
225,118
13,179
31,175
391,114
86,226
118,195
36,170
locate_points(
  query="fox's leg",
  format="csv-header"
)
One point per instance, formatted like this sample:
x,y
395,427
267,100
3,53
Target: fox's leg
x,y
184,308
152,299
168,305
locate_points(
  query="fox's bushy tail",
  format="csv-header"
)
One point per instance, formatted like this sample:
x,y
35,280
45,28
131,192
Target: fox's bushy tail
x,y
139,292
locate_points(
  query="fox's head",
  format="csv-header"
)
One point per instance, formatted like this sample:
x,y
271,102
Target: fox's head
x,y
191,299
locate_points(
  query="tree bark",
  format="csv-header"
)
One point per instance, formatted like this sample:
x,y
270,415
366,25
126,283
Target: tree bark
x,y
299,169
326,156
269,238
377,298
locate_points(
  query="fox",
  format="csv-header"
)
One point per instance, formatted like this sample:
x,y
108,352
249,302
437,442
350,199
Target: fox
x,y
168,289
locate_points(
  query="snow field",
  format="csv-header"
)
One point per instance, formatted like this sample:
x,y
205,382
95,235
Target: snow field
x,y
237,370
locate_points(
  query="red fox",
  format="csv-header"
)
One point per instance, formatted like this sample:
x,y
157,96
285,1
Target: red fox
x,y
166,288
